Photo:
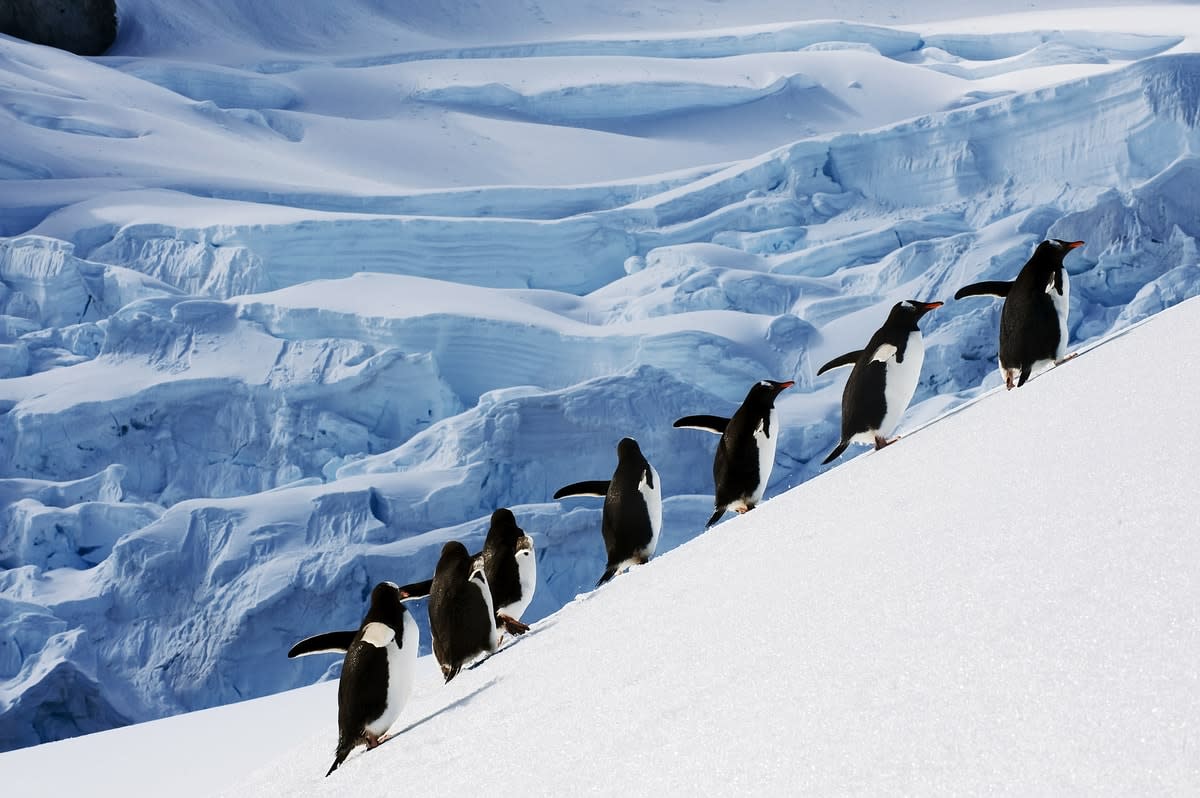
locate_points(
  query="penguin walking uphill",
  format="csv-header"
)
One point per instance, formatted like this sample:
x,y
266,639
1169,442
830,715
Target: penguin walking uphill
x,y
746,452
510,567
883,379
462,620
632,517
1033,321
377,674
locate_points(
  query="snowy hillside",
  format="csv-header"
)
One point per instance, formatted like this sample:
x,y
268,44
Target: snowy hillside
x,y
289,300
1005,601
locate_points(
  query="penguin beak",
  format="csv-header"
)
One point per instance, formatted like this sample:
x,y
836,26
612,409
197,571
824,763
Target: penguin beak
x,y
787,384
925,307
1075,244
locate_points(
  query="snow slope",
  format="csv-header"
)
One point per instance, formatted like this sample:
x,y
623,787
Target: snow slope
x,y
1004,601
285,303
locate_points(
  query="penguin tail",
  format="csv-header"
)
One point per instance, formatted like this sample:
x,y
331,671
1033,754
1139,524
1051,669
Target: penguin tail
x,y
841,447
608,574
716,516
343,750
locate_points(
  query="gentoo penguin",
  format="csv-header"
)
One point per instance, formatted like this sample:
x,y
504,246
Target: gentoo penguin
x,y
1033,322
746,451
377,674
462,620
884,377
632,518
510,567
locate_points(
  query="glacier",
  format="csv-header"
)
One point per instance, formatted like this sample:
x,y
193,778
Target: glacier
x,y
253,359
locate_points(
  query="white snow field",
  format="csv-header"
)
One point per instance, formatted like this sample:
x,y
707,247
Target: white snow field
x,y
1003,602
291,293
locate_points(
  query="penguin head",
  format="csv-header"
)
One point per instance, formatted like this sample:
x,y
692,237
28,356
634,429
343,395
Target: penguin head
x,y
386,606
906,314
628,447
504,530
1050,253
765,391
454,558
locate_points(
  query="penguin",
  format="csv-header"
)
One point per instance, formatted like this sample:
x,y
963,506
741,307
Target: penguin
x,y
377,674
462,620
746,452
632,518
510,566
1033,321
884,377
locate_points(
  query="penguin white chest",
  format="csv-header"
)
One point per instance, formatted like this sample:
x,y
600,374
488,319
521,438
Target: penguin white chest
x,y
766,435
401,667
900,382
527,576
479,580
1062,304
652,496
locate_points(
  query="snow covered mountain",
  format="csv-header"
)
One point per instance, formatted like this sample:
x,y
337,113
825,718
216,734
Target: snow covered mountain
x,y
1012,609
287,300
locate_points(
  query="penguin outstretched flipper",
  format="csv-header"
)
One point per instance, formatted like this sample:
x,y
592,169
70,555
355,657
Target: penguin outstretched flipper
x,y
715,517
715,424
416,590
327,643
848,359
593,487
998,288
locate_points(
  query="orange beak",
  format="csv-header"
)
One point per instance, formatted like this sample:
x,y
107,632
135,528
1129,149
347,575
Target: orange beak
x,y
787,384
931,305
1075,244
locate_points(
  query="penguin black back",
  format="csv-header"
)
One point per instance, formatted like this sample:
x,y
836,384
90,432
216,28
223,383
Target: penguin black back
x,y
461,619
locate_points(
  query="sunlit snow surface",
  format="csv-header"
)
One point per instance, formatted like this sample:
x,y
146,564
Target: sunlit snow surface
x,y
1003,602
284,309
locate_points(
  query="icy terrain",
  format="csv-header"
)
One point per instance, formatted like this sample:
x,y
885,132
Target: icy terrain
x,y
1013,611
283,309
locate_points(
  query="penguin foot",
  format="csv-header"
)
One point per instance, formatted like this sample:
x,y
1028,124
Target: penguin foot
x,y
1008,380
372,741
881,441
1071,356
511,624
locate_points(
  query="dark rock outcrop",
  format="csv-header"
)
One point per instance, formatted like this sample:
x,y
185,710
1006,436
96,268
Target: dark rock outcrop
x,y
83,27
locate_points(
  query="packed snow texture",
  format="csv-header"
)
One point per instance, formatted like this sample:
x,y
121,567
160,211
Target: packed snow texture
x,y
1013,610
283,311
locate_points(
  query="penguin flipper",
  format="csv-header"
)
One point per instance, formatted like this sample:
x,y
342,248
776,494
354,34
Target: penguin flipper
x,y
716,516
328,643
848,359
416,590
715,424
841,447
594,487
988,288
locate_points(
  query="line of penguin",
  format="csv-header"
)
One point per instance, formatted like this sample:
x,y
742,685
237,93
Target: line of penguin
x,y
474,599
